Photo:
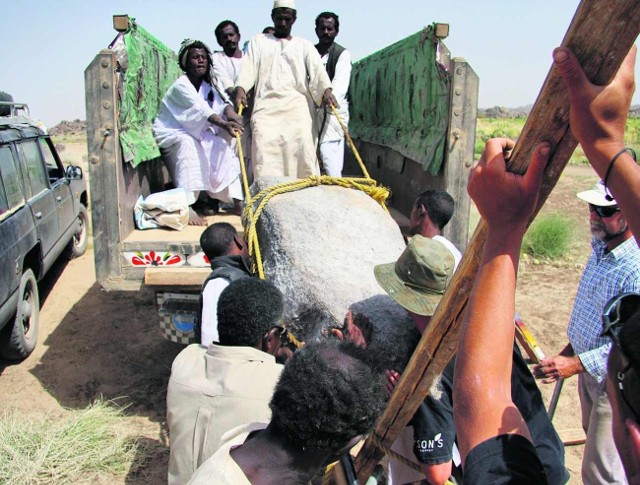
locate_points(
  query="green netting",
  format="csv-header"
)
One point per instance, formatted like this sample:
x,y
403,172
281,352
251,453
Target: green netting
x,y
152,68
400,99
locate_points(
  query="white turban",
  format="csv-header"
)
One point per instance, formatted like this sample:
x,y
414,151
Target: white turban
x,y
284,4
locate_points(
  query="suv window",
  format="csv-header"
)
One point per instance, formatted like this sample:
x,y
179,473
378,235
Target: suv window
x,y
54,170
10,186
35,179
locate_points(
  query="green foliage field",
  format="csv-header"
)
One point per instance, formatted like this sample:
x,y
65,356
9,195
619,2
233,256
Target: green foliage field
x,y
550,236
511,127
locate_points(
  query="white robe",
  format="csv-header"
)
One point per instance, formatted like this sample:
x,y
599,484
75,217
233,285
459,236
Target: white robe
x,y
332,136
289,80
225,71
196,156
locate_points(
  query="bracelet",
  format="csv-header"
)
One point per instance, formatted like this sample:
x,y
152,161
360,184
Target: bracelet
x,y
613,161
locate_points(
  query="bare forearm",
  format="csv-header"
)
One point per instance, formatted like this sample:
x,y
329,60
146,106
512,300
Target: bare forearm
x,y
483,366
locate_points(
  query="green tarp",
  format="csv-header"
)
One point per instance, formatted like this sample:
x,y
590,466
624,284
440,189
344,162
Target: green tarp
x,y
152,68
400,99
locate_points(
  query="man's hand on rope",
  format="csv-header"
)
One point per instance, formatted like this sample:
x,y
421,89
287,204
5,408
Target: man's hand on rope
x,y
357,329
240,97
233,127
328,99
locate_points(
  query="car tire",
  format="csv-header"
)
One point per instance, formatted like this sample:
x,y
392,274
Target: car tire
x,y
78,244
18,340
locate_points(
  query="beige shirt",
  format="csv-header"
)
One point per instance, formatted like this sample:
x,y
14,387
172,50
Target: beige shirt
x,y
210,392
221,468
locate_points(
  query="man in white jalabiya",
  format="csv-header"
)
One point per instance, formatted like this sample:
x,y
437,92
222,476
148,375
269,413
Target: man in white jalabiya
x,y
337,61
227,63
187,130
290,81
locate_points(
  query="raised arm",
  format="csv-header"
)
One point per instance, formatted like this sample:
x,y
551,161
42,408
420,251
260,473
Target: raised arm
x,y
482,382
598,119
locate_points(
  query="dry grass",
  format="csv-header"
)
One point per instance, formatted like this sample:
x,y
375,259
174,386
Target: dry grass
x,y
96,440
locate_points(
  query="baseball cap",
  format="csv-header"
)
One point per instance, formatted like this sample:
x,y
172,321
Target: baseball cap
x,y
418,278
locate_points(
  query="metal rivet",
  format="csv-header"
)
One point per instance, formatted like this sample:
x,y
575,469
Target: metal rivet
x,y
104,63
106,85
93,160
106,105
459,70
456,113
458,91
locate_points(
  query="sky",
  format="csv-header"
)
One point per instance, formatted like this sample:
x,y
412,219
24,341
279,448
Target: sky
x,y
47,44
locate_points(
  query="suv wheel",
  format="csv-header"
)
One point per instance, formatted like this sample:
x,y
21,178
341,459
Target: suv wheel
x,y
78,244
19,340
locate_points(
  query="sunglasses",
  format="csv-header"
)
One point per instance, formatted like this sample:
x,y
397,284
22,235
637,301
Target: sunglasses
x,y
616,312
607,211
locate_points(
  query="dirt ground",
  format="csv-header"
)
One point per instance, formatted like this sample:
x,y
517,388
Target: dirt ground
x,y
93,343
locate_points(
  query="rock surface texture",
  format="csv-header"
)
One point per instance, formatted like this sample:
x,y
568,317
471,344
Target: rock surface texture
x,y
319,246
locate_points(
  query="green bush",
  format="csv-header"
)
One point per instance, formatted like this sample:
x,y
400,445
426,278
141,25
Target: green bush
x,y
549,236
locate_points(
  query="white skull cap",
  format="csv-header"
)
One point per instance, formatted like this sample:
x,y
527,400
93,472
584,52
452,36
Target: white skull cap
x,y
284,4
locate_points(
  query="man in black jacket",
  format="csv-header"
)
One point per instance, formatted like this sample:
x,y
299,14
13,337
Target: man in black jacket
x,y
227,254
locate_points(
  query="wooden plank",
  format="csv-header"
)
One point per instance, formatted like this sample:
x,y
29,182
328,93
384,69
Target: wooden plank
x,y
528,342
185,276
461,139
572,437
102,152
601,34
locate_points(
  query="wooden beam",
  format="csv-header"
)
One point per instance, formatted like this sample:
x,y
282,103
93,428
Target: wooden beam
x,y
184,276
601,33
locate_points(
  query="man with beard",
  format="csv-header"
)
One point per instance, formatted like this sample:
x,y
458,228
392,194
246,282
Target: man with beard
x,y
289,81
612,268
337,61
226,64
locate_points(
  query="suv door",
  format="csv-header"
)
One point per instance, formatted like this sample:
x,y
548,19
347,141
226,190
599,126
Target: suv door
x,y
39,198
16,226
59,185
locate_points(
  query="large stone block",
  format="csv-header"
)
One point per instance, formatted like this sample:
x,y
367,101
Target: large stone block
x,y
319,246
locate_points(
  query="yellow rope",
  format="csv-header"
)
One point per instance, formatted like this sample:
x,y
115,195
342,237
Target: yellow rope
x,y
251,213
328,472
243,168
351,144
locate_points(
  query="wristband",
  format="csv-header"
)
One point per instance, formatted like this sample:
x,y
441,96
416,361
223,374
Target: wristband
x,y
611,164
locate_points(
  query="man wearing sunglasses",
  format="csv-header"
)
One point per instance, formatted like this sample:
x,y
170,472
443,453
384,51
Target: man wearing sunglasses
x,y
613,267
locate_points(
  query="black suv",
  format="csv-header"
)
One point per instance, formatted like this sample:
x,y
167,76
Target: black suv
x,y
43,214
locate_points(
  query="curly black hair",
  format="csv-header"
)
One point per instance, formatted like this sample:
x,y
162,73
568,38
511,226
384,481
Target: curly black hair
x,y
328,393
439,205
216,239
247,309
222,25
328,15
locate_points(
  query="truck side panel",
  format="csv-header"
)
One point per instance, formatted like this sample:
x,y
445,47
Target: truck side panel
x,y
104,161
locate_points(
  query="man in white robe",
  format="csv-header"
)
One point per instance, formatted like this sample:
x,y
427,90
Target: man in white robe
x,y
290,81
337,61
187,130
227,63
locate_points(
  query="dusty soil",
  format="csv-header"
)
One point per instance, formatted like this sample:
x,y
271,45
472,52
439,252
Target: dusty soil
x,y
93,343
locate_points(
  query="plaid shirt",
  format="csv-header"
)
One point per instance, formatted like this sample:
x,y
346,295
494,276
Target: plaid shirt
x,y
606,275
